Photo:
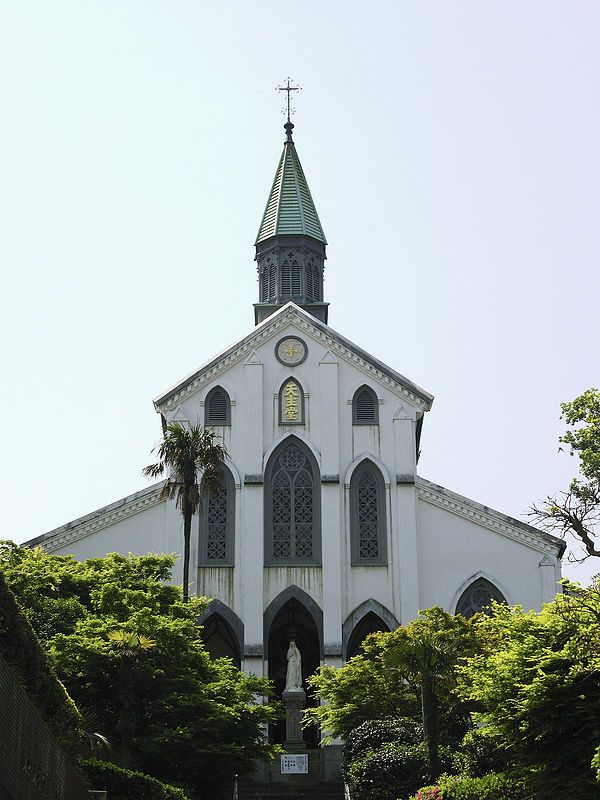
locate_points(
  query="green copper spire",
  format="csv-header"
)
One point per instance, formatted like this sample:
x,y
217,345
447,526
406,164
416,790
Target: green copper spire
x,y
290,246
290,208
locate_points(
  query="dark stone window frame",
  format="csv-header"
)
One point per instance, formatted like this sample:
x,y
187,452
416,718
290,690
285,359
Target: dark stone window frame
x,y
477,598
211,418
357,509
281,404
273,466
211,517
359,416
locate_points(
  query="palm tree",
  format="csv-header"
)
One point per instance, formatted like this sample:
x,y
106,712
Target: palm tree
x,y
188,455
128,645
426,661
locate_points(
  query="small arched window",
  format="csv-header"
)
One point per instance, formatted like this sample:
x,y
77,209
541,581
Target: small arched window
x,y
478,597
292,503
316,283
285,279
217,522
365,407
295,278
217,407
310,290
367,515
264,285
272,282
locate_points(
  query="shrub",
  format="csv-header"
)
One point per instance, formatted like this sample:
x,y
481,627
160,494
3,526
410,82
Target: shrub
x,y
373,734
124,784
494,786
391,771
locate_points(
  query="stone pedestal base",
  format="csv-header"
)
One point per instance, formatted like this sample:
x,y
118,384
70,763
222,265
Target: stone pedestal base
x,y
294,701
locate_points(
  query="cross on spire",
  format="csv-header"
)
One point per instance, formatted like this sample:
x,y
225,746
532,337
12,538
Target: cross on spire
x,y
288,88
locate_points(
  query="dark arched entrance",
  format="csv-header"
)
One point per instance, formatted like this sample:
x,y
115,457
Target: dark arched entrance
x,y
370,623
222,632
293,620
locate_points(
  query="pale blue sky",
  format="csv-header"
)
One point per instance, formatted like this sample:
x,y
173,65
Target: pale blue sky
x,y
452,152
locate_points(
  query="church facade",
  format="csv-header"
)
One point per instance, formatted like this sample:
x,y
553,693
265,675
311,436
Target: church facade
x,y
323,531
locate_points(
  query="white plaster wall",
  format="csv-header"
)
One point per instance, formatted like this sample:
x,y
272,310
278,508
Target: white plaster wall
x,y
142,533
454,551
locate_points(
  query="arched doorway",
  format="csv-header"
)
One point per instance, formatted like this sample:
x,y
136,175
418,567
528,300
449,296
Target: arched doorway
x,y
370,623
366,618
222,632
293,619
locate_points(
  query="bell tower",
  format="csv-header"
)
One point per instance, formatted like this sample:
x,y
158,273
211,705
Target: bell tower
x,y
290,246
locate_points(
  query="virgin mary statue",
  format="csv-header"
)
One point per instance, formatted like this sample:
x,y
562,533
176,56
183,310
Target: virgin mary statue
x,y
293,677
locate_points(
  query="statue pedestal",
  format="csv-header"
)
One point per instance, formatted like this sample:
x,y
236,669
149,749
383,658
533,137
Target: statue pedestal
x,y
294,701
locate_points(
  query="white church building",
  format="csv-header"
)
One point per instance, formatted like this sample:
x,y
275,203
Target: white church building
x,y
323,531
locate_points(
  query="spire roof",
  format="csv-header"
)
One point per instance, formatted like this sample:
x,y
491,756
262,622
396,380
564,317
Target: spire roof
x,y
290,208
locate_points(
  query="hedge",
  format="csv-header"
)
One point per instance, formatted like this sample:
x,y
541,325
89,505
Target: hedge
x,y
23,653
494,786
124,784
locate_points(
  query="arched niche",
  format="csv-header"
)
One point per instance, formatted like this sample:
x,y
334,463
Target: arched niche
x,y
222,632
293,615
367,618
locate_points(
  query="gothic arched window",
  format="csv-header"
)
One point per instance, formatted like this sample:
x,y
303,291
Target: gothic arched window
x,y
272,290
478,597
292,507
217,407
365,407
316,283
285,279
264,285
367,515
295,278
310,289
217,525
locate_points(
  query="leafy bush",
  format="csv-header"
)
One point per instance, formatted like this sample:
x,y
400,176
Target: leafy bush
x,y
373,734
494,786
391,771
477,755
124,784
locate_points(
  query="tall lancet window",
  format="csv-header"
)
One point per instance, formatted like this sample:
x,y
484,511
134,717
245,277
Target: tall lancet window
x,y
292,507
367,515
217,518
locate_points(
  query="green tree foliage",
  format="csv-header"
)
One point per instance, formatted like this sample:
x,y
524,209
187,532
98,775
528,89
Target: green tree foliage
x,y
494,786
197,721
537,687
193,459
361,690
577,511
404,679
425,654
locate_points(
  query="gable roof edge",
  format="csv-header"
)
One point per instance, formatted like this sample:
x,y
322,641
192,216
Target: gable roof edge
x,y
289,310
490,518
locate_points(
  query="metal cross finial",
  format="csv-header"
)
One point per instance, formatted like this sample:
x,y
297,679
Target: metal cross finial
x,y
288,88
